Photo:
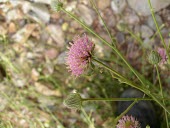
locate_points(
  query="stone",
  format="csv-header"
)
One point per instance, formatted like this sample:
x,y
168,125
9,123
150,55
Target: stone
x,y
42,1
131,18
103,4
142,6
61,58
120,37
51,53
38,12
86,13
23,34
146,32
71,6
109,18
14,14
151,24
147,43
118,6
12,28
56,34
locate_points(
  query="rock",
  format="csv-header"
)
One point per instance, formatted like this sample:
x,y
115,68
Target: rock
x,y
146,32
137,30
103,4
38,12
3,1
109,18
3,31
151,24
3,101
147,43
51,53
71,6
61,58
12,28
19,80
23,34
118,6
42,1
131,18
34,74
142,7
14,14
65,26
86,13
43,89
57,34
120,37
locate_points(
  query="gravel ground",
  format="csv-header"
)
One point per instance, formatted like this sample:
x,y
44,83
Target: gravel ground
x,y
33,40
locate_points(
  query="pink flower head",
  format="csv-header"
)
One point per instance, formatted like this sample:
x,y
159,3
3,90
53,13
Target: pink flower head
x,y
162,53
79,54
128,122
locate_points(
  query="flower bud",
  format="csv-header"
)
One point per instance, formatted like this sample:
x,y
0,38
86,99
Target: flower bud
x,y
154,57
56,5
73,101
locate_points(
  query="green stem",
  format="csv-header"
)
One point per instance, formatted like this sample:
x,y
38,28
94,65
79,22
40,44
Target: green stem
x,y
123,113
160,85
116,99
92,2
99,37
157,27
120,77
128,82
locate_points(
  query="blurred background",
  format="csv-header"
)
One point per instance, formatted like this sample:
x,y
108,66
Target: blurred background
x,y
33,75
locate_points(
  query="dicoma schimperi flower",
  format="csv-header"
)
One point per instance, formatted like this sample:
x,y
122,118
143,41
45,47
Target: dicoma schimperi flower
x,y
128,122
79,54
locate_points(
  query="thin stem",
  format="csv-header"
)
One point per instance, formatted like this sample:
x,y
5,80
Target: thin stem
x,y
115,99
128,82
92,2
99,37
160,85
119,99
89,121
157,27
123,113
122,78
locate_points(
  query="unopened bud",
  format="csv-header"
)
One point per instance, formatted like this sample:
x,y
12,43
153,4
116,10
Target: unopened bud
x,y
154,57
73,101
56,5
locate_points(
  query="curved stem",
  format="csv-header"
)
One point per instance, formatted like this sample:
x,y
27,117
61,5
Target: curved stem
x,y
92,2
122,78
160,85
128,82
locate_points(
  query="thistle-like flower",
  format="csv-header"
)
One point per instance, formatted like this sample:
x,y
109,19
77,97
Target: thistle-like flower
x,y
79,55
73,101
128,122
154,57
162,53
